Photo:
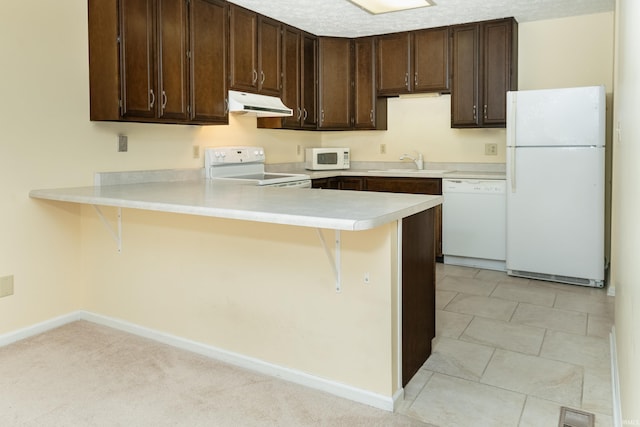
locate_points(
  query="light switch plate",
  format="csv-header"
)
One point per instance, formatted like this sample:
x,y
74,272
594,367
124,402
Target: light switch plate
x,y
123,143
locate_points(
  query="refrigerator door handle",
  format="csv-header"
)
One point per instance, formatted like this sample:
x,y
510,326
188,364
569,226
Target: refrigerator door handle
x,y
511,138
513,169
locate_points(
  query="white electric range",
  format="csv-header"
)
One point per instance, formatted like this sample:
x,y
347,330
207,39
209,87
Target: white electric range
x,y
245,165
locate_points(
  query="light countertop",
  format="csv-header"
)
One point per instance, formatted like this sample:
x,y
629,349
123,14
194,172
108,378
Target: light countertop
x,y
340,210
395,169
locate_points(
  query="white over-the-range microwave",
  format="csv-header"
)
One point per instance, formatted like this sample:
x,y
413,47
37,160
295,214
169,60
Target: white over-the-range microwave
x,y
317,159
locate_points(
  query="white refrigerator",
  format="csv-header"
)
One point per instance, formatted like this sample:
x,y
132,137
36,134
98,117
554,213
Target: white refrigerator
x,y
555,185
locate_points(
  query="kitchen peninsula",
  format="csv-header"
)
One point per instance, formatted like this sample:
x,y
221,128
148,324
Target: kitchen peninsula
x,y
262,294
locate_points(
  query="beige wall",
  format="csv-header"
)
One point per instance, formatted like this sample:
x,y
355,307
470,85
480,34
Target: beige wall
x,y
626,207
261,290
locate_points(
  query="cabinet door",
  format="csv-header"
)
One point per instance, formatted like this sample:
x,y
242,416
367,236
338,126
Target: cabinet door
x,y
327,183
243,49
351,183
497,71
292,75
364,83
335,83
104,62
431,60
269,54
464,90
394,64
209,61
309,88
137,59
173,70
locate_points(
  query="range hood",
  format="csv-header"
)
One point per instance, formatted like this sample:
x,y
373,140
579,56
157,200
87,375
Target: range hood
x,y
259,105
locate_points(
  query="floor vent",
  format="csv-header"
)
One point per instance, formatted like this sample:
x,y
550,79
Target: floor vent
x,y
575,418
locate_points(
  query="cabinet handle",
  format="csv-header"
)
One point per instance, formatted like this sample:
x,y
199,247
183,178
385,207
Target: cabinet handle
x,y
255,77
322,116
299,114
306,113
485,111
226,106
475,113
415,80
153,98
164,100
406,80
371,116
262,77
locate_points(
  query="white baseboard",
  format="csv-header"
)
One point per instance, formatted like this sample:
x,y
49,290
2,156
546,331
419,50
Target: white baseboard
x,y
615,380
39,328
387,403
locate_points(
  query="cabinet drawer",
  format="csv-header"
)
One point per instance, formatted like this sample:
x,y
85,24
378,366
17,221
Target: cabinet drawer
x,y
405,185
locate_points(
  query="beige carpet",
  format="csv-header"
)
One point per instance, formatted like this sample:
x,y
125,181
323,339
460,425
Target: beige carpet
x,y
84,374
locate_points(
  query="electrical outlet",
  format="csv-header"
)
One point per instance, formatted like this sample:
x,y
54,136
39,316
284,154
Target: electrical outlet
x,y
123,143
6,286
196,151
383,148
490,149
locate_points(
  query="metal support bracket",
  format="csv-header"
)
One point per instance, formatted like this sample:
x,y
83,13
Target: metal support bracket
x,y
116,234
333,260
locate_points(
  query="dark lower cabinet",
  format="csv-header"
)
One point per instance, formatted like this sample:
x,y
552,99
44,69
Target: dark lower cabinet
x,y
418,291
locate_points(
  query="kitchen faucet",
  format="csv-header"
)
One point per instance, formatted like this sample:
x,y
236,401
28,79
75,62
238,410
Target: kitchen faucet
x,y
419,161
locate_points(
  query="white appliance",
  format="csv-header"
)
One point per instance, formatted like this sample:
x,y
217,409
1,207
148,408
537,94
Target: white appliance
x,y
555,185
245,165
257,105
326,158
473,223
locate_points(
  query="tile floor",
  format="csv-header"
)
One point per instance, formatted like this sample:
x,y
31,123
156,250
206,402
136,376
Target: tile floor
x,y
511,351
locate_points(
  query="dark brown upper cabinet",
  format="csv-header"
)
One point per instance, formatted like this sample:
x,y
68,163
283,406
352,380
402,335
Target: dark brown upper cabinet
x,y
141,63
309,81
370,112
209,60
254,52
299,81
394,63
431,60
335,83
484,68
411,62
154,68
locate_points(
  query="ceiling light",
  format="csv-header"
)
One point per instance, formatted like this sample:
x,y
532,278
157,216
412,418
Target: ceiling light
x,y
376,7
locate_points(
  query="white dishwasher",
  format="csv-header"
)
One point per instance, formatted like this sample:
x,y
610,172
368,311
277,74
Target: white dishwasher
x,y
474,223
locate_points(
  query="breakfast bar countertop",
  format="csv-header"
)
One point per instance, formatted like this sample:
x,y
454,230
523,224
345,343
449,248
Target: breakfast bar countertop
x,y
339,210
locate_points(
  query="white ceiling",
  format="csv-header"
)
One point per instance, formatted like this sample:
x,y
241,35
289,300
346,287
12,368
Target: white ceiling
x,y
344,19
